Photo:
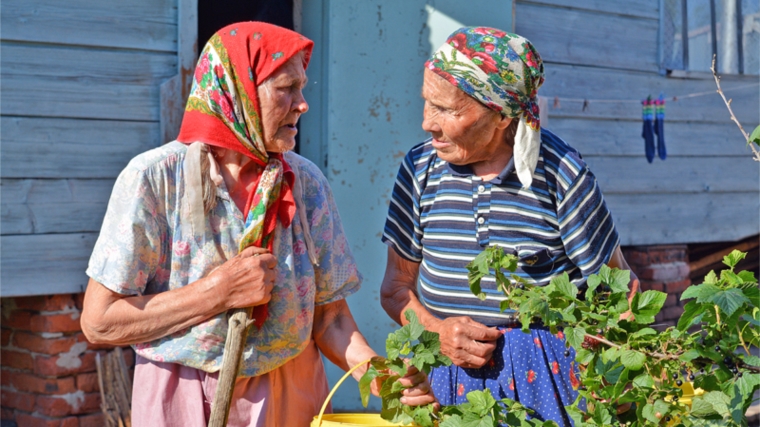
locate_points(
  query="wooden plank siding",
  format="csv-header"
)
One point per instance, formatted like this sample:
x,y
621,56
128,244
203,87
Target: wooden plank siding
x,y
575,36
647,219
622,91
606,52
676,175
40,206
43,264
622,137
80,94
35,147
145,25
634,8
67,81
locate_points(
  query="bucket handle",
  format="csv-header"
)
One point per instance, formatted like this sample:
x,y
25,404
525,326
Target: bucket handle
x,y
335,388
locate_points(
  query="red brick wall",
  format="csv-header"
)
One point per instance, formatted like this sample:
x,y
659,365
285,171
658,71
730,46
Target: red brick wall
x,y
48,375
662,268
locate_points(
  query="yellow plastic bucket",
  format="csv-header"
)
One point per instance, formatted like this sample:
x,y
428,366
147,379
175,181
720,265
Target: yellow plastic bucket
x,y
689,392
347,420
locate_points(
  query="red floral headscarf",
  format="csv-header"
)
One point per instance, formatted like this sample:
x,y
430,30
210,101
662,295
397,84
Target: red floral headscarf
x,y
223,110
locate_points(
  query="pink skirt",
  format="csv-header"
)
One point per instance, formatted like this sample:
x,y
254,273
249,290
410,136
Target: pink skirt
x,y
168,394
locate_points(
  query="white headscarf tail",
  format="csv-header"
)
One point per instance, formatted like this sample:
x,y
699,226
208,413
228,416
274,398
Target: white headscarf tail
x,y
527,145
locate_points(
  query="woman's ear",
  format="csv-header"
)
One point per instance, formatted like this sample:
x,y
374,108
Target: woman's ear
x,y
504,122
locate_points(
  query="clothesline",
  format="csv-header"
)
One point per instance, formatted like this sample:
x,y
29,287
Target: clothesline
x,y
587,101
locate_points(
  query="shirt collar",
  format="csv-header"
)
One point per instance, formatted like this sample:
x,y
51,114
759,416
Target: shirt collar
x,y
466,170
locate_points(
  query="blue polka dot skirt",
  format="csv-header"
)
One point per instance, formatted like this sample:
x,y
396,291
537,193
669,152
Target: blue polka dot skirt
x,y
530,368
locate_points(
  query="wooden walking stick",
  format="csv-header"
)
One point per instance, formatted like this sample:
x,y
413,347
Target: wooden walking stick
x,y
239,322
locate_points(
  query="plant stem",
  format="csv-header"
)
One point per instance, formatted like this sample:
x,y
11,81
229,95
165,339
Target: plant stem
x,y
742,340
660,356
751,368
733,117
603,341
717,314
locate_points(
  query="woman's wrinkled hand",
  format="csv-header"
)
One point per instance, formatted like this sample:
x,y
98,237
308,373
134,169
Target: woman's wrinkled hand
x,y
417,390
247,279
467,343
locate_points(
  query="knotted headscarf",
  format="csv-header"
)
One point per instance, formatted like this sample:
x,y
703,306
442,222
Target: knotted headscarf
x,y
503,71
223,111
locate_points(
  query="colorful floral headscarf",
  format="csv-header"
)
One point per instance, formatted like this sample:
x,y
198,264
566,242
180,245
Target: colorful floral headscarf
x,y
223,110
503,71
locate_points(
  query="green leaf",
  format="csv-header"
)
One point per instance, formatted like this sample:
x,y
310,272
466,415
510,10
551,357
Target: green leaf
x,y
700,292
574,336
365,383
574,413
729,300
643,332
733,258
731,278
747,384
611,353
719,401
584,357
755,136
691,311
392,346
592,282
452,421
564,286
751,360
422,418
646,305
632,359
707,382
701,407
747,276
602,415
620,281
649,412
508,262
689,355
416,328
643,381
736,406
481,401
711,278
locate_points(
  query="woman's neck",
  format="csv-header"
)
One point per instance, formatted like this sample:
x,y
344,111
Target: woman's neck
x,y
240,174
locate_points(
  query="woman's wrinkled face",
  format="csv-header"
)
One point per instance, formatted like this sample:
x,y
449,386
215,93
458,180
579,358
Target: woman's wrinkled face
x,y
464,131
282,103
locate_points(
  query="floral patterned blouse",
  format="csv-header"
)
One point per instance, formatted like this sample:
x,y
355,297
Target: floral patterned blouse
x,y
142,250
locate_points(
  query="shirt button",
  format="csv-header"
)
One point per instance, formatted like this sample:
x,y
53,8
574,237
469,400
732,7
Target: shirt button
x,y
481,188
481,220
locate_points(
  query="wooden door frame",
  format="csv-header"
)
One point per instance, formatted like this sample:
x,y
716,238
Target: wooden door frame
x,y
174,92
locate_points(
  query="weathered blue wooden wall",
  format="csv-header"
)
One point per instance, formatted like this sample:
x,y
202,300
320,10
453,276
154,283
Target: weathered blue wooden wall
x,y
707,190
80,97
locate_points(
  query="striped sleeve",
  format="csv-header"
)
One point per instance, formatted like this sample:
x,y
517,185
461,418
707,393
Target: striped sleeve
x,y
585,223
402,226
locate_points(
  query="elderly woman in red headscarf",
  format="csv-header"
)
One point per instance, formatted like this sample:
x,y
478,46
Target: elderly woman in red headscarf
x,y
227,217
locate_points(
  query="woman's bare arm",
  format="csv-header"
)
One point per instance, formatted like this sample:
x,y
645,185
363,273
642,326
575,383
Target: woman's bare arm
x,y
338,337
112,318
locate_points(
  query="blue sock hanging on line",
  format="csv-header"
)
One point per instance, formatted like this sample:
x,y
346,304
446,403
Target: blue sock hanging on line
x,y
647,112
659,126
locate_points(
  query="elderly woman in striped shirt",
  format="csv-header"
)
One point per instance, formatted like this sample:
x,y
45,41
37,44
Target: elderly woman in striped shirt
x,y
491,176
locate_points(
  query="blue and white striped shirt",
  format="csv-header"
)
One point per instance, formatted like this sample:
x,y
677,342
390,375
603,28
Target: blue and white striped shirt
x,y
442,216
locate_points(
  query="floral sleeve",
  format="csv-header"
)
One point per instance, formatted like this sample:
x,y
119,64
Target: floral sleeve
x,y
336,274
129,247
